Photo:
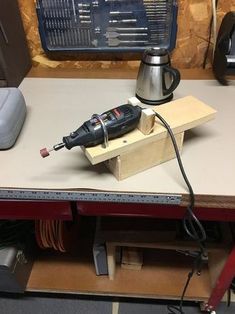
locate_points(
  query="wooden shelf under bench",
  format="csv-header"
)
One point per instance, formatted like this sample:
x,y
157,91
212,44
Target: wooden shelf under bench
x,y
162,277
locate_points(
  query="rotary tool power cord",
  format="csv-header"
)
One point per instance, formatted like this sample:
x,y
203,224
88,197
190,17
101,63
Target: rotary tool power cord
x,y
191,224
119,121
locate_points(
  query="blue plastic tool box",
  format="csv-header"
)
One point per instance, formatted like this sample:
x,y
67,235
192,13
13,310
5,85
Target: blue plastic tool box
x,y
106,25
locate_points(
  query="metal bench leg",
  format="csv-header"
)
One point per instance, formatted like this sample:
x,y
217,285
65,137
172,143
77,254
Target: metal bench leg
x,y
223,282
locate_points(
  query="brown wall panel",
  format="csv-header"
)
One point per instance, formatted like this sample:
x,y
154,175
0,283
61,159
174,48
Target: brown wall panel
x,y
193,26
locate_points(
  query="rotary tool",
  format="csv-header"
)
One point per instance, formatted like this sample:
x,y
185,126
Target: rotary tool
x,y
100,128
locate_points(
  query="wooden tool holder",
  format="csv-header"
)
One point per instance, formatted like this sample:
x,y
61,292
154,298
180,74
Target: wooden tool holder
x,y
150,144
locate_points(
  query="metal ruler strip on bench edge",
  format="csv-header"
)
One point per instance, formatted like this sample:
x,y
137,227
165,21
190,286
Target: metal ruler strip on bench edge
x,y
119,197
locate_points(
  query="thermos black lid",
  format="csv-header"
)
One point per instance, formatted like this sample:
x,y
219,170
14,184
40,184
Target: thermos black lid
x,y
156,56
157,52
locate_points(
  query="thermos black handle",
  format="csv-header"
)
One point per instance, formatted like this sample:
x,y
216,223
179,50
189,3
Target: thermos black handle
x,y
176,79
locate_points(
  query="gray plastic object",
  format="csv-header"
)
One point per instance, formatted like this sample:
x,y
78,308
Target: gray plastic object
x,y
15,269
12,116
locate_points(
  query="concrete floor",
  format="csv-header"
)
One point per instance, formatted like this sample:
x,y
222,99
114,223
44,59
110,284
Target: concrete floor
x,y
90,305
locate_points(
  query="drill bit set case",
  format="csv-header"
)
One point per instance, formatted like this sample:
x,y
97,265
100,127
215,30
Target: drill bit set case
x,y
72,26
12,115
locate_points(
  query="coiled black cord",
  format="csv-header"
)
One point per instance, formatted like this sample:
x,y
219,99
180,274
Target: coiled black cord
x,y
191,223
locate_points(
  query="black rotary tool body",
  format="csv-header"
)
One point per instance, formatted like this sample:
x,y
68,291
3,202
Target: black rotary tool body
x,y
101,128
117,122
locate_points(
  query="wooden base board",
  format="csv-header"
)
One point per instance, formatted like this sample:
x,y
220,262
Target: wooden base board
x,y
144,157
144,148
181,114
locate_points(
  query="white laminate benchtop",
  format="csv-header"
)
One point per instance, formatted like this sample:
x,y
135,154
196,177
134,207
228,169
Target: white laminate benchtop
x,y
58,106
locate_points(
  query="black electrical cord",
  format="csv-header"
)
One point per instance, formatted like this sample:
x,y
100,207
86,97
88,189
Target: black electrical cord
x,y
191,223
179,309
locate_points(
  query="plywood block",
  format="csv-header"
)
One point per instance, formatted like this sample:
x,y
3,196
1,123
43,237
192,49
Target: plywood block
x,y
181,114
147,120
134,101
144,157
132,258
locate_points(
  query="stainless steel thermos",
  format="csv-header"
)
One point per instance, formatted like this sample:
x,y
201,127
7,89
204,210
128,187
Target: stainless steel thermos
x,y
156,79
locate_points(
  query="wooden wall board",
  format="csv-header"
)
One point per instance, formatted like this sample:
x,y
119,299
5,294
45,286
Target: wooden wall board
x,y
186,74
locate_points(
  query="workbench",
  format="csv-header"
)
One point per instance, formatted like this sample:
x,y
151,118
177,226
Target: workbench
x,y
36,188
